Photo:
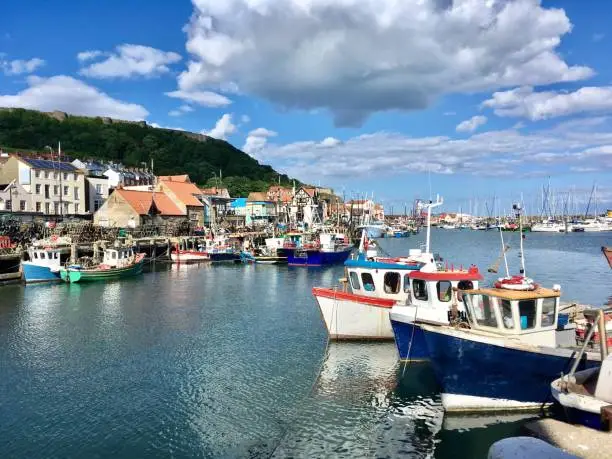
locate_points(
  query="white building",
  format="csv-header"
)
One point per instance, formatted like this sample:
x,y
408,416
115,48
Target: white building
x,y
54,187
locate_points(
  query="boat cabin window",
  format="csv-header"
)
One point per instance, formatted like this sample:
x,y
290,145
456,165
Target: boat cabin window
x,y
406,283
547,318
368,282
113,255
419,288
463,285
527,313
392,282
354,280
484,311
35,255
444,289
43,255
506,312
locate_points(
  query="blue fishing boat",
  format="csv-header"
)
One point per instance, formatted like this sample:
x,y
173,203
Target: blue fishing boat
x,y
43,264
329,249
507,347
504,352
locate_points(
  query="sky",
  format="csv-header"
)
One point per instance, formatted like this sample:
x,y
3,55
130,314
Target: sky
x,y
480,101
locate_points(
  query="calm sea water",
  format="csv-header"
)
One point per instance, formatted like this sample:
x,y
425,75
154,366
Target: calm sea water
x,y
232,361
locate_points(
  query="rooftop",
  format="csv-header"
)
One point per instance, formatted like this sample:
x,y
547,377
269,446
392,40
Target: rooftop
x,y
141,202
185,191
46,164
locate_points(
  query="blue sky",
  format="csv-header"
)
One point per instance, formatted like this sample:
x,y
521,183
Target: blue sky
x,y
466,98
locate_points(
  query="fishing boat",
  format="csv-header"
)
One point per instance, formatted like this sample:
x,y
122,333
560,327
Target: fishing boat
x,y
377,284
607,251
328,249
585,395
43,265
118,263
503,353
186,251
269,254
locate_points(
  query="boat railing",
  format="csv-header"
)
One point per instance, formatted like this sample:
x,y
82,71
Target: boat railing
x,y
598,317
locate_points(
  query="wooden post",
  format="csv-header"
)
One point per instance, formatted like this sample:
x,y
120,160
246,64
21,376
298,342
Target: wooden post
x,y
74,253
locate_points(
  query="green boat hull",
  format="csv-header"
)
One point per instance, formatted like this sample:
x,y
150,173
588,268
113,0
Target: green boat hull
x,y
95,275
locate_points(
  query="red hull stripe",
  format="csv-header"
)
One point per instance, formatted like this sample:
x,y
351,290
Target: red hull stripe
x,y
446,275
338,295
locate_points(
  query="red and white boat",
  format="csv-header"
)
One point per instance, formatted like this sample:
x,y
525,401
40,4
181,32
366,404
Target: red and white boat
x,y
184,252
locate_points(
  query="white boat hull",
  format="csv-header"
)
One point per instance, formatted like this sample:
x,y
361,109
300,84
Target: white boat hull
x,y
347,319
189,257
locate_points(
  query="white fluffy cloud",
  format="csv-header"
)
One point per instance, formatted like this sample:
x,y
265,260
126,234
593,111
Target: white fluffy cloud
x,y
85,56
527,103
355,57
20,66
181,110
72,96
223,128
204,98
472,124
257,140
128,61
585,143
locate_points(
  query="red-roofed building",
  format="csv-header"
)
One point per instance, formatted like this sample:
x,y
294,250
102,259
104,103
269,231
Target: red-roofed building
x,y
130,208
185,196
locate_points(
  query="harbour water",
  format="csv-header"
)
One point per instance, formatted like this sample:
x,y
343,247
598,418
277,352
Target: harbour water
x,y
232,361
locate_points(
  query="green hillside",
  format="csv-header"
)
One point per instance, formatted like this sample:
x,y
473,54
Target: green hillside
x,y
173,152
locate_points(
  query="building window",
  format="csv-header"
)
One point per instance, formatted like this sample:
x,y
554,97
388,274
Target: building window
x,y
444,289
66,190
354,280
47,192
22,206
76,192
37,174
66,208
419,289
47,208
392,282
38,207
76,208
55,175
38,188
97,205
56,208
74,177
368,282
65,175
56,190
99,188
46,174
8,205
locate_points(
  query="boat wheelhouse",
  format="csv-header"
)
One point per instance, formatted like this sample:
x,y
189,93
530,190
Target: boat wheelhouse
x,y
325,249
432,296
503,353
189,251
376,285
43,264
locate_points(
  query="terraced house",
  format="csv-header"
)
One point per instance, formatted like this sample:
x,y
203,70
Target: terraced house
x,y
52,187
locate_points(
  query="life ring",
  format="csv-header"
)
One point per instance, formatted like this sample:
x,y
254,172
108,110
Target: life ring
x,y
516,283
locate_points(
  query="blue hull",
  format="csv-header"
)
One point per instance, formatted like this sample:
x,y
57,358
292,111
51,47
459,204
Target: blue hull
x,y
410,341
34,273
576,416
299,257
466,367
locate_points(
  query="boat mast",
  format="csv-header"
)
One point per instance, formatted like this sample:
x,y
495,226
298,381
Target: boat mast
x,y
518,208
430,206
